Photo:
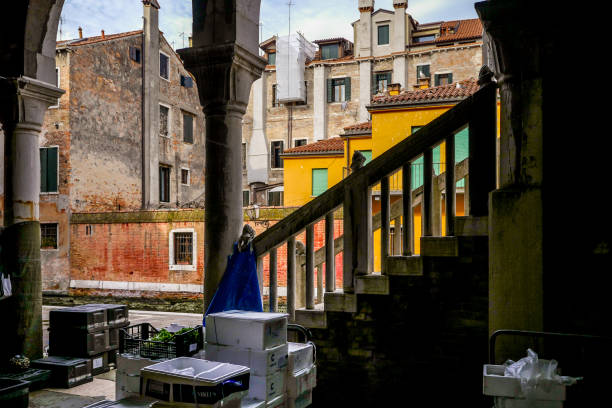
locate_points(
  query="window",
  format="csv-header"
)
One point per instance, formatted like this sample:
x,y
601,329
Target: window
x,y
383,34
424,38
275,198
164,184
381,81
443,79
48,236
244,156
319,181
89,230
276,149
246,198
187,128
329,51
271,58
49,169
423,71
186,81
135,54
164,115
300,142
181,249
339,89
164,66
368,156
185,177
275,103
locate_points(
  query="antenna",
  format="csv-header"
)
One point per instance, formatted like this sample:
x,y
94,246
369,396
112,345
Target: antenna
x,y
182,35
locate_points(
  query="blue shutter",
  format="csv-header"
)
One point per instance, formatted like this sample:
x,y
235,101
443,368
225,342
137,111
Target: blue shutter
x,y
319,181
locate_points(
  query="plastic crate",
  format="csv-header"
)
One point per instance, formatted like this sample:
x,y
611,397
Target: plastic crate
x,y
85,317
135,340
79,343
37,378
14,393
116,315
66,372
100,363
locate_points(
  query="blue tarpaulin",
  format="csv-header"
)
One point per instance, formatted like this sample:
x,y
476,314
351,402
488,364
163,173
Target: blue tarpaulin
x,y
239,287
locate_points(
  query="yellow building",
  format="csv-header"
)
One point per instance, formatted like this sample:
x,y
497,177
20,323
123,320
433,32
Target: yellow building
x,y
311,169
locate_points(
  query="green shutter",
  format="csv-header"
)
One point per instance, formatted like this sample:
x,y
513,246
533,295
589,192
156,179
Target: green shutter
x,y
368,156
436,160
347,89
43,170
187,128
388,75
436,80
383,35
330,93
319,181
374,84
450,78
462,150
417,173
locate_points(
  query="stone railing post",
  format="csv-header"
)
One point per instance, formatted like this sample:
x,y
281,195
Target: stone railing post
x,y
22,312
225,62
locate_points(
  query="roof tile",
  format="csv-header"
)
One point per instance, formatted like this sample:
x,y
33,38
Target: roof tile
x,y
466,30
91,40
454,91
359,127
332,145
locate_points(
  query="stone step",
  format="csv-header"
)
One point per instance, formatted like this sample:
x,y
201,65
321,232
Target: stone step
x,y
312,318
339,301
440,246
472,226
404,265
372,285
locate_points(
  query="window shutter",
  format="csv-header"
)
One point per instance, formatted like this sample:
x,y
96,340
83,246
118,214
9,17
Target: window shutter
x,y
436,80
43,170
52,169
388,75
347,89
450,78
374,84
187,128
280,151
319,181
330,93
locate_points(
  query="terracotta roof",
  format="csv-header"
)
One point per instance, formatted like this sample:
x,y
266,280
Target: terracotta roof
x,y
328,40
318,58
326,146
453,92
91,40
465,30
364,127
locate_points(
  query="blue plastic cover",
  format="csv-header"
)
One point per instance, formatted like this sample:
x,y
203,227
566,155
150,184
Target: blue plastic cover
x,y
239,287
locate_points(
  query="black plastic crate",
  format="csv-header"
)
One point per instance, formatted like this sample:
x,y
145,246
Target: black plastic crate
x,y
14,393
79,343
116,315
66,372
136,340
89,318
99,363
38,378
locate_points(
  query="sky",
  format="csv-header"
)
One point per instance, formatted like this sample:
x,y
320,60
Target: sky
x,y
316,19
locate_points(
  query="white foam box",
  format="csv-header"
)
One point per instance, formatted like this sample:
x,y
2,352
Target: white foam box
x,y
302,381
127,383
302,401
261,362
301,356
267,388
494,383
247,330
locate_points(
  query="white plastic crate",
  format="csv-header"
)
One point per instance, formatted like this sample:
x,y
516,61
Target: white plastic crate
x,y
261,362
302,381
127,383
300,356
247,330
267,388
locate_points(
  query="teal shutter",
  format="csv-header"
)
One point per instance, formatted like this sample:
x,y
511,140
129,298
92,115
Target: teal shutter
x,y
436,159
319,181
43,170
330,93
450,78
368,156
347,89
462,149
436,80
417,173
388,77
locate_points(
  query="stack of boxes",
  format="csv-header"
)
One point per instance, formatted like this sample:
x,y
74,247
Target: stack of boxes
x,y
255,340
87,332
301,375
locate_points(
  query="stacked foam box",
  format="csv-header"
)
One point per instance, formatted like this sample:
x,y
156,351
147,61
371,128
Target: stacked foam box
x,y
301,375
255,340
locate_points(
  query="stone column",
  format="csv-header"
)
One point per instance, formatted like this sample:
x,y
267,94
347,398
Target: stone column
x,y
22,312
225,62
320,102
398,42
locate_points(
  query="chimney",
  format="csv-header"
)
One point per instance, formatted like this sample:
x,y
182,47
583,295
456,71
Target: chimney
x,y
394,89
80,32
398,41
103,36
364,29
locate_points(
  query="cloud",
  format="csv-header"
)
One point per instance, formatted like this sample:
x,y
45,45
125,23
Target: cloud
x,y
316,19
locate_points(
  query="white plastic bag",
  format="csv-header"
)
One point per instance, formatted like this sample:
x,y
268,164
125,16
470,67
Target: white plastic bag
x,y
6,288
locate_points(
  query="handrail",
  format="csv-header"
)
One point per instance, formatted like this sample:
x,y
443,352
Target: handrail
x,y
410,148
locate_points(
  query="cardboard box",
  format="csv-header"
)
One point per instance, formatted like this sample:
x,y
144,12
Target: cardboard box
x,y
301,356
261,362
127,383
247,330
267,388
302,381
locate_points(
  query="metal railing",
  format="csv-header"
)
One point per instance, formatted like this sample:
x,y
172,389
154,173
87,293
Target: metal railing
x,y
353,195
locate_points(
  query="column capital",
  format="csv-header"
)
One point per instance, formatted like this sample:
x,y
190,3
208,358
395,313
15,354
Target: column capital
x,y
34,97
224,74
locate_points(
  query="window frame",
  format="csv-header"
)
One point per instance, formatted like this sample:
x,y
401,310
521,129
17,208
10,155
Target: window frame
x,y
269,54
168,135
281,198
438,74
388,27
171,250
423,65
272,152
164,166
160,66
193,126
248,196
135,54
312,181
328,47
300,139
275,102
57,181
56,236
188,176
389,78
